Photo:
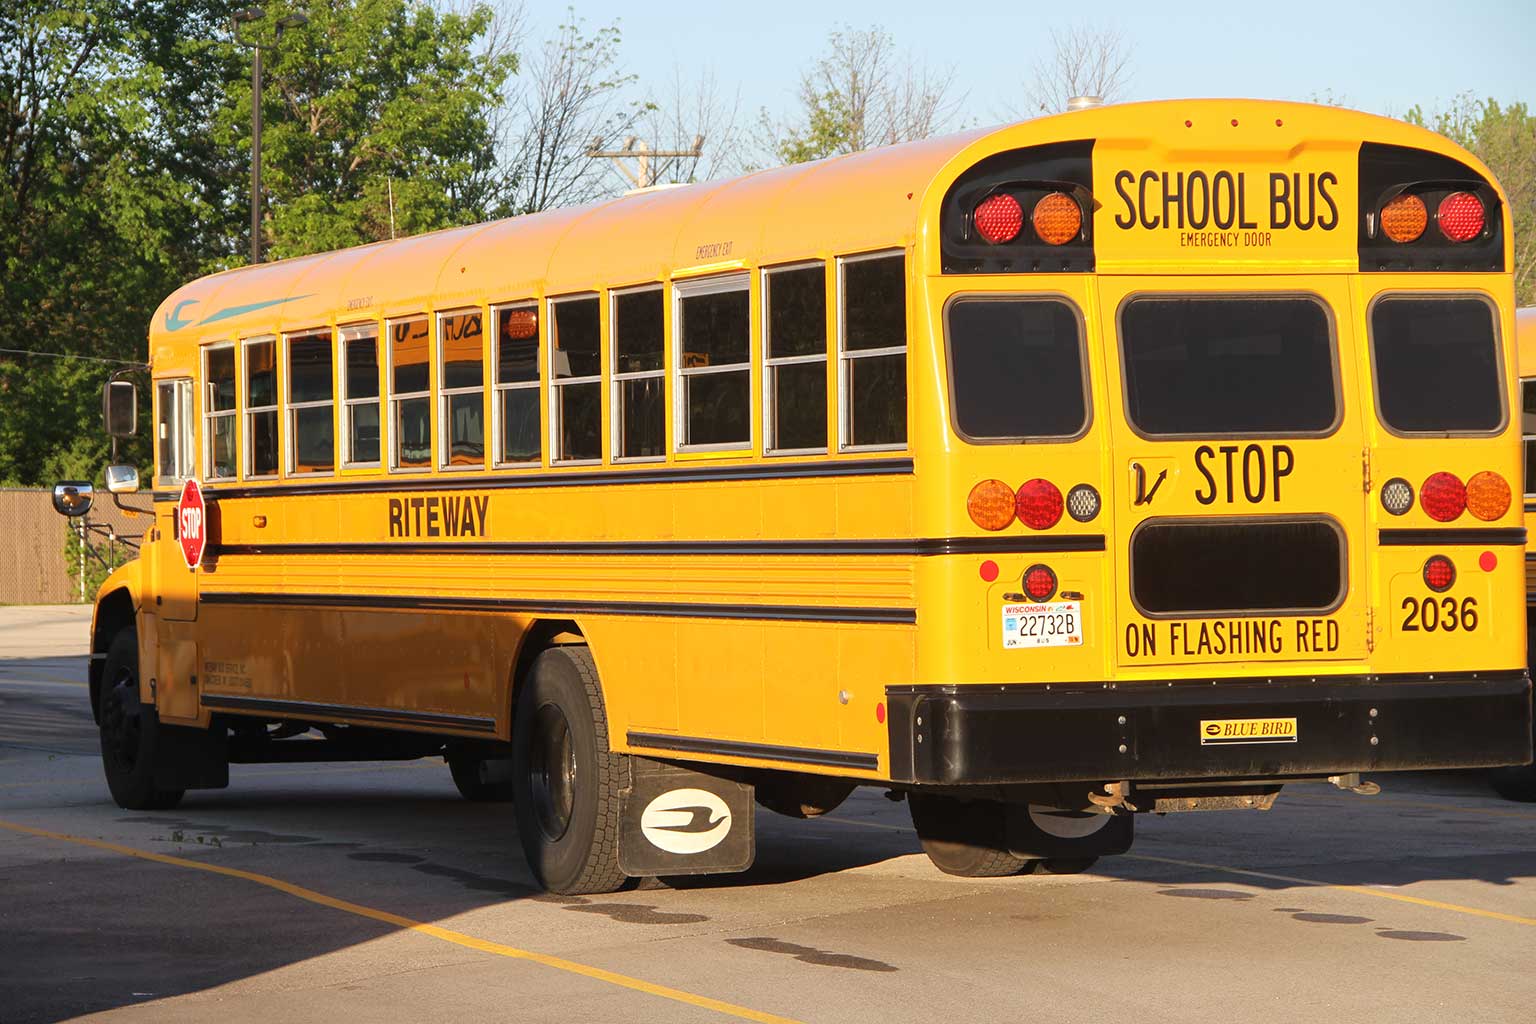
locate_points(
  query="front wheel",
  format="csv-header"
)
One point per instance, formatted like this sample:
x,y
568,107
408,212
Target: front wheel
x,y
966,838
565,780
130,731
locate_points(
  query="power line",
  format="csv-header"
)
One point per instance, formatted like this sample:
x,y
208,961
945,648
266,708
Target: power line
x,y
66,355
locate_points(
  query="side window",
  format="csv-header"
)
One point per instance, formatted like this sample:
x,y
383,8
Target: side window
x,y
713,327
873,352
795,319
410,417
360,392
461,378
517,385
311,405
221,459
639,417
1528,431
174,434
261,407
575,382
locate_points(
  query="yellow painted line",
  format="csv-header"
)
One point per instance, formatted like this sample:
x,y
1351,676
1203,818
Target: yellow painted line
x,y
1288,879
1361,889
432,930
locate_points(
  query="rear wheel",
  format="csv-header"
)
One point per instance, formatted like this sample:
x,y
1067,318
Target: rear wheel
x,y
478,779
1515,783
967,838
129,731
566,781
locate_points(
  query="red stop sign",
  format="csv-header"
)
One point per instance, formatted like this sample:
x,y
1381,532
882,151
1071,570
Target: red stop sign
x,y
192,523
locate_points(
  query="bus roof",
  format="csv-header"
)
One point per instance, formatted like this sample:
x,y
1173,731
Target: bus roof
x,y
870,200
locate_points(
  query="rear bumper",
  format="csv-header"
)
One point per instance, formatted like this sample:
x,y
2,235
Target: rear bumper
x,y
1019,733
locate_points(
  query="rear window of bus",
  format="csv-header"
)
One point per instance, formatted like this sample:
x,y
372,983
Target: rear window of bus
x,y
1437,365
1016,369
1202,366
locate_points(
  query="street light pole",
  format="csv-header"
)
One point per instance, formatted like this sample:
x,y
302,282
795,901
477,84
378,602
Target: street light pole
x,y
241,17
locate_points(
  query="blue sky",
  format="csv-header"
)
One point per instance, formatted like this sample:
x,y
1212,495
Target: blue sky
x,y
1381,57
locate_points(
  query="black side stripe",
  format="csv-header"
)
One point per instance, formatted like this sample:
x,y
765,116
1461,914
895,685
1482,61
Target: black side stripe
x,y
1492,536
516,480
755,751
310,709
675,610
918,547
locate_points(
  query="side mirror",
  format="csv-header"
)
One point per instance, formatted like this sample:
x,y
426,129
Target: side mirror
x,y
120,408
122,479
73,497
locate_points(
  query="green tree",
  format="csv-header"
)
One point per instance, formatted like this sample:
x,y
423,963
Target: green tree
x,y
1504,138
374,123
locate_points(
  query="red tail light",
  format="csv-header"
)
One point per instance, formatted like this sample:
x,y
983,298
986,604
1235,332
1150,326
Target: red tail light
x,y
1038,504
1039,582
1443,497
998,218
1461,216
1439,573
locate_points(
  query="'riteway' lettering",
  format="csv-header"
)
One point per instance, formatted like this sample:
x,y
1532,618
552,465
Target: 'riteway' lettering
x,y
439,516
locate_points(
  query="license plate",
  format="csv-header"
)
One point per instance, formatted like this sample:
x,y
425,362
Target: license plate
x,y
1219,732
1059,624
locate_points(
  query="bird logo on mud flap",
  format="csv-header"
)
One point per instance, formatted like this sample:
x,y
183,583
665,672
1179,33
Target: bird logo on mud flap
x,y
686,821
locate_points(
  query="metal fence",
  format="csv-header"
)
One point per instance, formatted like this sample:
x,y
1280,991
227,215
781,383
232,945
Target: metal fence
x,y
42,557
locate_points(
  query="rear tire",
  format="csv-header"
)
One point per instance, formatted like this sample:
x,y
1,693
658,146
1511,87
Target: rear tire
x,y
130,731
1515,783
566,781
468,776
965,838
1068,865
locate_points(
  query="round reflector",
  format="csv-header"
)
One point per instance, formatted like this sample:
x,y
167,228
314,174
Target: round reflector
x,y
988,570
1443,497
991,505
1397,496
1488,495
1439,573
1404,218
1461,216
520,324
1083,502
1038,504
1057,218
1039,582
998,218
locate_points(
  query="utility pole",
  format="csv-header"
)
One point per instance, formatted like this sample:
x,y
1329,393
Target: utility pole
x,y
645,174
246,16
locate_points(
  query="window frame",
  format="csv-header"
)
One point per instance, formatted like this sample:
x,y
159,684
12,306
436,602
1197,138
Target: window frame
x,y
346,333
444,393
714,284
771,362
387,433
845,356
552,400
184,441
290,437
498,457
1336,378
207,416
1498,353
617,379
1083,366
248,451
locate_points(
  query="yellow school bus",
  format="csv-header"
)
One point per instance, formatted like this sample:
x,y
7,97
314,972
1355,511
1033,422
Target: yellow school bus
x,y
1142,458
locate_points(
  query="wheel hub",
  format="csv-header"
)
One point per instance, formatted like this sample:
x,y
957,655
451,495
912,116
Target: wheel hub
x,y
553,772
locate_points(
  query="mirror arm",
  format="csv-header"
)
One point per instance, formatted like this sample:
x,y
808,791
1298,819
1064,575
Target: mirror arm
x,y
117,499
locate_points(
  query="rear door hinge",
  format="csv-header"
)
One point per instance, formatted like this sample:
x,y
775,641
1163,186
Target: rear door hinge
x,y
1370,630
1365,469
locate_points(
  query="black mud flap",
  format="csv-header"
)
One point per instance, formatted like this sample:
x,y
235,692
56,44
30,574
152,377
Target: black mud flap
x,y
189,758
1040,832
678,821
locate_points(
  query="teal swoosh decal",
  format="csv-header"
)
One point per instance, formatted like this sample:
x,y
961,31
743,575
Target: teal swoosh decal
x,y
173,320
233,311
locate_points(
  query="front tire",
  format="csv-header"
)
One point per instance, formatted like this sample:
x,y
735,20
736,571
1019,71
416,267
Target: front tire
x,y
965,838
130,731
566,781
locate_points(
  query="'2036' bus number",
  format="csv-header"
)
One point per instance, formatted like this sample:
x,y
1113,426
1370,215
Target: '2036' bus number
x,y
1444,614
